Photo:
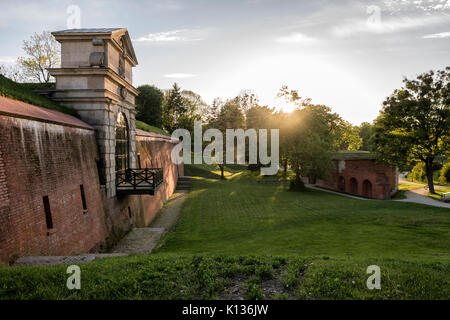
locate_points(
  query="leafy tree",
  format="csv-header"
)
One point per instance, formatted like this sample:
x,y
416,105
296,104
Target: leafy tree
x,y
174,107
43,52
347,136
311,142
444,174
414,123
13,72
149,105
366,132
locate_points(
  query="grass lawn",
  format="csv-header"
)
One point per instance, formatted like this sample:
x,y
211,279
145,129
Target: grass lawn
x,y
248,214
248,237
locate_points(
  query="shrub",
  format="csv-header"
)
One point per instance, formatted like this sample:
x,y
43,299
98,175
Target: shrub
x,y
297,185
436,165
418,173
253,289
444,176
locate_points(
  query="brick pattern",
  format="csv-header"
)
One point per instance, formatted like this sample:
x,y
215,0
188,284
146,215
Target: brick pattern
x,y
362,177
42,159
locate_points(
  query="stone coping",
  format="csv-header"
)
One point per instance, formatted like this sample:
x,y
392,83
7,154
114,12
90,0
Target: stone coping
x,y
143,133
19,109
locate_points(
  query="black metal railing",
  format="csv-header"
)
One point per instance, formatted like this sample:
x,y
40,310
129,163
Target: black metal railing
x,y
139,181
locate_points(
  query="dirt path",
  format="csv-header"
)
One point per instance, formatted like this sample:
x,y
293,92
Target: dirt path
x,y
144,240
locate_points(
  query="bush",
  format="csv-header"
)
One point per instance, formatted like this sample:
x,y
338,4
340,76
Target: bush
x,y
297,185
444,176
436,165
418,173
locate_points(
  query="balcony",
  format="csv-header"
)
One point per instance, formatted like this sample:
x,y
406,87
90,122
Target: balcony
x,y
139,181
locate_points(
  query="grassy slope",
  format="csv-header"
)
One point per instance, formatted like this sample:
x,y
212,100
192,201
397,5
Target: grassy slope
x,y
320,246
146,127
23,92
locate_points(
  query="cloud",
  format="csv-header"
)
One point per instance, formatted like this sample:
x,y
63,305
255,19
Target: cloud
x,y
180,35
296,37
384,26
7,59
179,75
437,35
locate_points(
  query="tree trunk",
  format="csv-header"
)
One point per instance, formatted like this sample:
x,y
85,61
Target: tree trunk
x,y
221,171
429,171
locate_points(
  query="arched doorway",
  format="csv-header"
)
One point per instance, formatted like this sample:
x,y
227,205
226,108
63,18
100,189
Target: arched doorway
x,y
367,188
121,133
353,186
341,183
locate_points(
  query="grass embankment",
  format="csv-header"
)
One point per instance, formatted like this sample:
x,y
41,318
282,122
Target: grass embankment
x,y
24,92
227,277
146,127
247,236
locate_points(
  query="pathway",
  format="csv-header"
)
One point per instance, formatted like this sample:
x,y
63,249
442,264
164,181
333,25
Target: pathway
x,y
144,240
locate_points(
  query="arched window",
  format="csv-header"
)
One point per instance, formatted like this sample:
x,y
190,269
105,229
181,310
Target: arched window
x,y
367,188
121,132
353,186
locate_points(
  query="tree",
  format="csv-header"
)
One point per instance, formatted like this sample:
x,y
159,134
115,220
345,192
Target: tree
x,y
174,107
348,136
43,52
149,104
311,143
414,123
12,72
366,132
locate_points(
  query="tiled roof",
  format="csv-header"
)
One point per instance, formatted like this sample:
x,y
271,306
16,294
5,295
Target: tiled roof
x,y
88,30
19,109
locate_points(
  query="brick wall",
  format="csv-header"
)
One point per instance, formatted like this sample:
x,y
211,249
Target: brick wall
x,y
362,177
40,159
125,212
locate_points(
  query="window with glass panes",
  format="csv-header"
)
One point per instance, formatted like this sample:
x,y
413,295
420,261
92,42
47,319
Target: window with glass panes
x,y
121,132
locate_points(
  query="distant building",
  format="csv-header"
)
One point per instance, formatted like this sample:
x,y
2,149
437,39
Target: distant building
x,y
358,173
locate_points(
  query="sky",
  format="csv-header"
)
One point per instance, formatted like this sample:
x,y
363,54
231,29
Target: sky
x,y
348,55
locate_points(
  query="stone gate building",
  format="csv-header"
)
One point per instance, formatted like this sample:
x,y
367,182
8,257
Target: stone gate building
x,y
70,185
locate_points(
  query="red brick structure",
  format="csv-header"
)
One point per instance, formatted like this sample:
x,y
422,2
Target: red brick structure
x,y
360,174
60,177
50,200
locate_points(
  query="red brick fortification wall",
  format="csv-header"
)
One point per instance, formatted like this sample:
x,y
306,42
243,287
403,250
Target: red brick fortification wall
x,y
361,177
125,212
155,152
40,159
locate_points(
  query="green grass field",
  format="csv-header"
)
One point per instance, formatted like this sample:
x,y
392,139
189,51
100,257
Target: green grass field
x,y
250,231
248,214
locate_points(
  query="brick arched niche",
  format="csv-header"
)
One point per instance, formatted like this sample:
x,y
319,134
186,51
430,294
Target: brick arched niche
x,y
341,183
367,188
353,186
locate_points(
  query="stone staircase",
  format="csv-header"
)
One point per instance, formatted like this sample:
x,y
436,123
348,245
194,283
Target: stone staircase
x,y
184,183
